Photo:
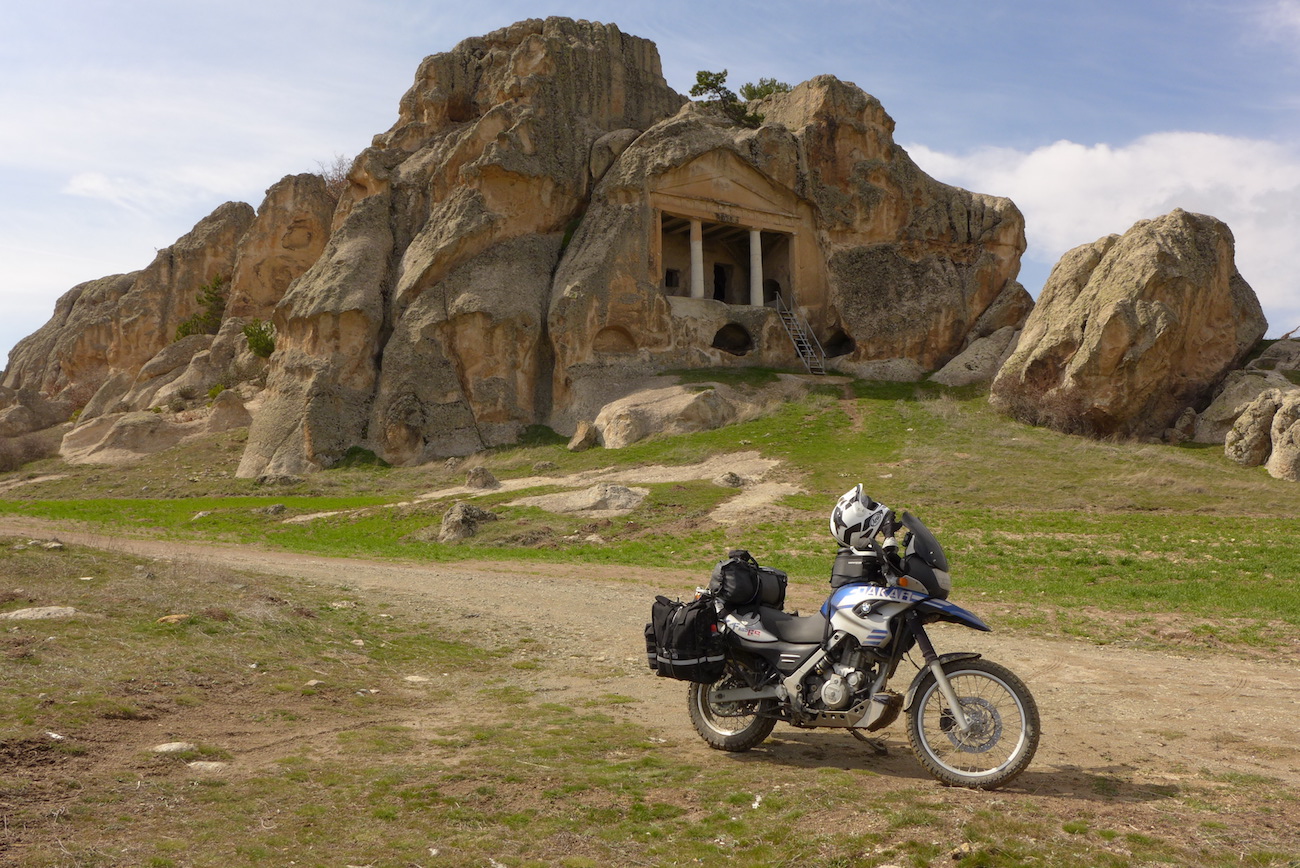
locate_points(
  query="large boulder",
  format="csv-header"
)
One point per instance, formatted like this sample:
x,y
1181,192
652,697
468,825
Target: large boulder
x,y
1284,459
1250,439
669,410
1268,432
979,362
1280,355
1130,330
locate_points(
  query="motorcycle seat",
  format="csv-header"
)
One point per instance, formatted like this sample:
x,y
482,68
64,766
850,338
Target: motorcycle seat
x,y
798,629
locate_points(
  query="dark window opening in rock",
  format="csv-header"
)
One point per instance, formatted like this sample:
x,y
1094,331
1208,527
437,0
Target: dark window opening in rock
x,y
839,344
460,110
771,292
613,339
733,338
721,273
672,278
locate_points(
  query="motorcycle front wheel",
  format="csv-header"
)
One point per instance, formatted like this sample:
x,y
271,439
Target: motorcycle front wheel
x,y
733,726
1003,733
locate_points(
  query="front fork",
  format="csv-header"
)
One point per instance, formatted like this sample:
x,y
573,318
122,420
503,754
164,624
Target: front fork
x,y
935,664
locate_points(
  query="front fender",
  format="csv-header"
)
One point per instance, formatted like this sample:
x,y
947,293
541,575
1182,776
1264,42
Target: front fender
x,y
952,612
943,660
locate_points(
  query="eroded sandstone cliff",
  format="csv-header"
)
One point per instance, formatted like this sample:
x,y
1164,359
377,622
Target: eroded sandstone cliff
x,y
545,221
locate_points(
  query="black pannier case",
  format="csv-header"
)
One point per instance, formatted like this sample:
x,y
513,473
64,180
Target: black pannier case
x,y
682,640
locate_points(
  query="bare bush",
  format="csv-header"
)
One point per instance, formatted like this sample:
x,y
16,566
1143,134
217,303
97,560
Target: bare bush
x,y
335,173
1060,409
17,451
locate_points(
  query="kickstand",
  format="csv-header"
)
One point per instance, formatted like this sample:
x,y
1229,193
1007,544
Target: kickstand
x,y
877,745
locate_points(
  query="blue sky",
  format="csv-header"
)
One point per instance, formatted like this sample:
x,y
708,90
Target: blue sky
x,y
125,122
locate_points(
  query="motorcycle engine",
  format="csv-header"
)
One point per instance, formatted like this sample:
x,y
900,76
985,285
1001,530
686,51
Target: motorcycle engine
x,y
835,692
842,683
838,691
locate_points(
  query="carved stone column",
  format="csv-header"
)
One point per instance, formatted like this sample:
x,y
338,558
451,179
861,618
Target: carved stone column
x,y
697,259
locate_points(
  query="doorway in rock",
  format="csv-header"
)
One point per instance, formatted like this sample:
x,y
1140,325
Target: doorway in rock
x,y
722,283
839,343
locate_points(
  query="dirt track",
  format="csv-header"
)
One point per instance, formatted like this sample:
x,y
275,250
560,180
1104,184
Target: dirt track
x,y
1108,712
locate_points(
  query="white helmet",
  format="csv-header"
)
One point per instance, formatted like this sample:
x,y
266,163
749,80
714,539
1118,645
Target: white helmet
x,y
857,518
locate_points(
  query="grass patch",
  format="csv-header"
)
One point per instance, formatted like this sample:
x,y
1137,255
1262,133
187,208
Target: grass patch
x,y
1058,534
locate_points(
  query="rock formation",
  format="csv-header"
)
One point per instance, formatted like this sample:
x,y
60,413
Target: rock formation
x,y
1237,392
111,327
818,203
421,329
545,223
120,437
1268,432
1129,331
109,352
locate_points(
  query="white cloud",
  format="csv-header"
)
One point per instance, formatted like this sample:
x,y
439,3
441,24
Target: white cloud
x,y
1073,194
1281,20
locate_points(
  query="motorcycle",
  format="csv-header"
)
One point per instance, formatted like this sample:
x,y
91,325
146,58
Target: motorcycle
x,y
970,722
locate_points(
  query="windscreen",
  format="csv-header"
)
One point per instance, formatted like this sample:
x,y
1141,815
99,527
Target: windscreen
x,y
924,544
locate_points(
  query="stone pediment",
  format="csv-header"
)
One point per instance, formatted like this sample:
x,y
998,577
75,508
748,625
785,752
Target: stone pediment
x,y
721,181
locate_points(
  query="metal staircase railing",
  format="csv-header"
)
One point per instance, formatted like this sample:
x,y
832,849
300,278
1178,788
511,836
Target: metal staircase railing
x,y
801,335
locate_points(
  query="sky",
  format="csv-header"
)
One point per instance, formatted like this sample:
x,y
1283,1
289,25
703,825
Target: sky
x,y
124,122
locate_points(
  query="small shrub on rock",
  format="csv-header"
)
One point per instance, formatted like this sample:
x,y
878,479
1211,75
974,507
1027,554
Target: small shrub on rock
x,y
212,307
261,338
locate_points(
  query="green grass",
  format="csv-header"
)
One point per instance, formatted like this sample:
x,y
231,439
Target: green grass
x,y
1033,520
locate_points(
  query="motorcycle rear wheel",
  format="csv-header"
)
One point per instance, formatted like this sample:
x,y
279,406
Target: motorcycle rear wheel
x,y
731,726
1003,736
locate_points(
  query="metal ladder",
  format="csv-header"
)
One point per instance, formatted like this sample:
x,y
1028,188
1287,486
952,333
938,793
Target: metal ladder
x,y
801,335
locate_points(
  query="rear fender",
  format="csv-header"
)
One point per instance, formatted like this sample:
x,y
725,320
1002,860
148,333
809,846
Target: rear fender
x,y
944,659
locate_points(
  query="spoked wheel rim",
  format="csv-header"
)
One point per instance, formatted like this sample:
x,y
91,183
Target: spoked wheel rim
x,y
731,726
725,718
1000,725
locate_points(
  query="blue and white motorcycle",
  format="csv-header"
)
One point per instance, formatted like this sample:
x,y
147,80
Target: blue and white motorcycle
x,y
970,722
